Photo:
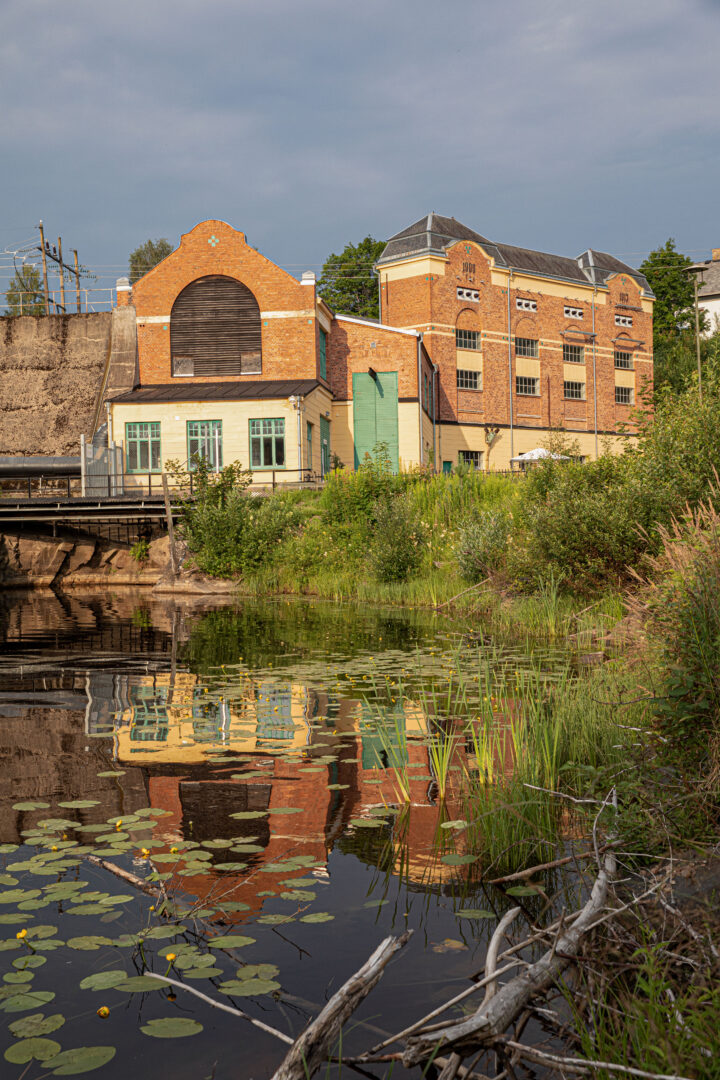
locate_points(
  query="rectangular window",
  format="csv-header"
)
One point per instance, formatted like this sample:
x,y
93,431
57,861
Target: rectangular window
x,y
573,354
309,445
467,339
524,384
323,354
471,457
624,395
623,360
426,390
525,305
468,380
267,444
574,390
573,312
204,440
142,447
623,320
525,346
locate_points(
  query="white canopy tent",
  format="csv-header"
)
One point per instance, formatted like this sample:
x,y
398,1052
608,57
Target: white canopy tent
x,y
538,454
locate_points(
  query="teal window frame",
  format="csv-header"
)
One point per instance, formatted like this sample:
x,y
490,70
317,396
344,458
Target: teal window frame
x,y
205,434
143,437
267,443
323,354
309,433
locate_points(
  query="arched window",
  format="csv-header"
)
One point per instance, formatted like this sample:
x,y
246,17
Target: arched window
x,y
215,329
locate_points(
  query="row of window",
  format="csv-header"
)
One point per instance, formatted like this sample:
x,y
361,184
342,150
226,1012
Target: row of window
x,y
204,440
528,386
572,354
468,294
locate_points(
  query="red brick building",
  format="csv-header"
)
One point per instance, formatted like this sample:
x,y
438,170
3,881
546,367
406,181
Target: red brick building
x,y
481,350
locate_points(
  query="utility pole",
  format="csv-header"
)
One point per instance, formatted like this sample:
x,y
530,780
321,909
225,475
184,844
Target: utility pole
x,y
77,281
697,338
44,265
62,275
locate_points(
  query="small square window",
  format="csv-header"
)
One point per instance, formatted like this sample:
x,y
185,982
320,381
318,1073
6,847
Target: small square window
x,y
526,347
467,339
468,380
471,457
524,384
573,312
623,320
624,395
573,354
574,390
623,360
523,304
468,294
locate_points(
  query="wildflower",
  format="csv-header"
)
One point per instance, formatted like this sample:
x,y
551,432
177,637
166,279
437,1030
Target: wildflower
x,y
103,1012
170,957
21,934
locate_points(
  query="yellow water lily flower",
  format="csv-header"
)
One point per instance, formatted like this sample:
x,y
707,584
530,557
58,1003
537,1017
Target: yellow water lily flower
x,y
103,1012
21,934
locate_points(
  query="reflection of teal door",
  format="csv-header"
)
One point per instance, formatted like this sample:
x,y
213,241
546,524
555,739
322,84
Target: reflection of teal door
x,y
375,414
447,466
324,446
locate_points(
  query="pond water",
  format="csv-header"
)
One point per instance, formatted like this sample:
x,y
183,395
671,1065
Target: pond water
x,y
248,761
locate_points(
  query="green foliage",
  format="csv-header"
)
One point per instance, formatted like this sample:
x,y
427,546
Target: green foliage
x,y
146,256
665,269
24,295
482,543
352,497
348,283
140,551
397,540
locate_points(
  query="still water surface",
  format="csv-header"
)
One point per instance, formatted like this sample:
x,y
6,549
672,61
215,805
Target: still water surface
x,y
237,757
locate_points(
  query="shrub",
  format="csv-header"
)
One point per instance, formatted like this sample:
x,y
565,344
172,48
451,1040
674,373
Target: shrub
x,y
680,609
397,545
482,544
350,497
140,551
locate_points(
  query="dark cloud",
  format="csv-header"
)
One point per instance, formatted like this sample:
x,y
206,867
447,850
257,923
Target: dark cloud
x,y
309,124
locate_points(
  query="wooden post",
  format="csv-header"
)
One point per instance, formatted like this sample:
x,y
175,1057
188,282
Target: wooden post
x,y
77,281
62,275
44,264
170,526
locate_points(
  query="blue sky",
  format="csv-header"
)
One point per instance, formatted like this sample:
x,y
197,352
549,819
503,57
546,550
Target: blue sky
x,y
552,125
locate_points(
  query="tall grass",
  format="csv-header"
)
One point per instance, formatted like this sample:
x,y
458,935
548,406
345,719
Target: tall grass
x,y
445,499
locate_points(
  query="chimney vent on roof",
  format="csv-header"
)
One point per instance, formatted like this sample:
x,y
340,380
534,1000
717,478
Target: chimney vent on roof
x,y
308,277
716,254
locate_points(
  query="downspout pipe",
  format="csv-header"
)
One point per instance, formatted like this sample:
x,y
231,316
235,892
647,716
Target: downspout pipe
x,y
434,416
510,371
595,411
419,379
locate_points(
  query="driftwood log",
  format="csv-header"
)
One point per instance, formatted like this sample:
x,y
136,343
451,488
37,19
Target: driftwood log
x,y
313,1047
494,1016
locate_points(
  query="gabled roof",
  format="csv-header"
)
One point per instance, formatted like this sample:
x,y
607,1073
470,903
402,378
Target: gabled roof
x,y
435,233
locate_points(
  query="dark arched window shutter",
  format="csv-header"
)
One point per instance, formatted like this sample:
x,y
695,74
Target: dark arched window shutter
x,y
215,329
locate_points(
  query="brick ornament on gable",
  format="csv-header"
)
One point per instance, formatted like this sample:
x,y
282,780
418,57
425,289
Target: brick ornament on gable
x,y
213,240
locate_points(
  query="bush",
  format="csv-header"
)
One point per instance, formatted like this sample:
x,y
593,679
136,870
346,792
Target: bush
x,y
397,546
352,497
680,610
482,543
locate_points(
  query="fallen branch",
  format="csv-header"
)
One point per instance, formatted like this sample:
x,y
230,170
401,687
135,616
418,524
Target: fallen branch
x,y
520,875
131,879
491,1020
492,953
311,1049
220,1005
457,595
581,1065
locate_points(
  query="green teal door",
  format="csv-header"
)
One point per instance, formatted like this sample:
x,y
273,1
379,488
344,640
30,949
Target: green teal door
x,y
375,415
447,466
324,446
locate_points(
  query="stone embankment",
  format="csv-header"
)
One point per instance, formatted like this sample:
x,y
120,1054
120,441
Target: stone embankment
x,y
44,562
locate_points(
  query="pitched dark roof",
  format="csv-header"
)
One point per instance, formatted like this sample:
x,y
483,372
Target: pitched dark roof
x,y
435,233
218,391
711,279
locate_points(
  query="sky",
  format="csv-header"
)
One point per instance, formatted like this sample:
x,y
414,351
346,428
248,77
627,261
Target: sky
x,y
556,125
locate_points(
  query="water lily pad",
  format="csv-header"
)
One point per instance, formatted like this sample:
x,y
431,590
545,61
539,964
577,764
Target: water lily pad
x,y
522,890
14,896
453,859
232,905
8,849
88,942
159,932
202,973
244,814
365,823
8,879
41,931
31,805
79,804
285,810
111,772
317,917
298,894
25,963
275,920
249,987
458,823
171,1027
375,903
37,1024
33,999
18,977
475,913
258,971
103,980
27,1050
80,1060
140,984
230,941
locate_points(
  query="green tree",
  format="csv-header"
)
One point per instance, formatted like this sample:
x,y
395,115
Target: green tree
x,y
347,282
24,295
674,309
146,256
